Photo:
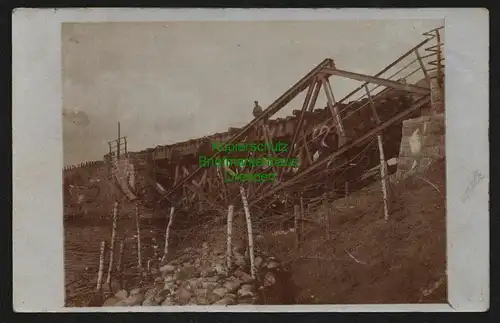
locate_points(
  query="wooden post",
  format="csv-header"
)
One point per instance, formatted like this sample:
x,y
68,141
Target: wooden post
x,y
383,177
250,233
327,216
230,211
119,265
383,164
167,233
346,186
100,273
112,244
118,143
301,216
296,214
422,67
138,229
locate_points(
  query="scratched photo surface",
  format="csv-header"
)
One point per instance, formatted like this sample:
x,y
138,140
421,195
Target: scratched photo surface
x,y
273,162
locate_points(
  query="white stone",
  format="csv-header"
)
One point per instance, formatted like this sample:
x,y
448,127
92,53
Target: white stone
x,y
232,285
221,292
273,264
121,294
167,269
225,301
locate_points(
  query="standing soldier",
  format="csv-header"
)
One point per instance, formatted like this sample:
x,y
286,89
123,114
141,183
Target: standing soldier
x,y
257,109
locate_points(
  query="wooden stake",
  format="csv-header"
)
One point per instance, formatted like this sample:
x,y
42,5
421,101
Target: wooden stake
x,y
138,229
327,216
347,193
250,233
100,273
119,266
167,233
301,216
383,177
112,243
383,164
230,211
296,214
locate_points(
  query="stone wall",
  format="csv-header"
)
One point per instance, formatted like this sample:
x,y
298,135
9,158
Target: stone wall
x,y
422,143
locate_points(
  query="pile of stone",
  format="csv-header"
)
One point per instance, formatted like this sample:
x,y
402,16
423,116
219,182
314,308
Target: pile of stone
x,y
201,277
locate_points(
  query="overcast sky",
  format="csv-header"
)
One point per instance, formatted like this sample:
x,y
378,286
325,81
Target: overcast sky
x,y
173,81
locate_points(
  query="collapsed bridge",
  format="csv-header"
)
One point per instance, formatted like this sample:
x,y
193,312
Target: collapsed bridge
x,y
334,145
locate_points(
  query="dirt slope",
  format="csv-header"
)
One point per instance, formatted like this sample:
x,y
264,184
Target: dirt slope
x,y
367,260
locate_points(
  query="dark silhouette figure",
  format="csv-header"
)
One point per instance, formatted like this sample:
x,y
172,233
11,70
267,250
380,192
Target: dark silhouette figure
x,y
257,109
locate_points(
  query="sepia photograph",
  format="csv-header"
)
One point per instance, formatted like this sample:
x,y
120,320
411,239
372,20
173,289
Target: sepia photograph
x,y
241,160
235,163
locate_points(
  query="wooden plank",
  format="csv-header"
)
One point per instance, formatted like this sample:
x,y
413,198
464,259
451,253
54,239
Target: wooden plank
x,y
377,80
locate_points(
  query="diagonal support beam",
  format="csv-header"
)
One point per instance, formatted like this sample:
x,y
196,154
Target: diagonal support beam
x,y
332,105
377,80
317,87
307,172
277,105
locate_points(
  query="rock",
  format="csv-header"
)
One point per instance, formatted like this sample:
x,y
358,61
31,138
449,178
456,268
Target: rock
x,y
197,262
204,245
186,285
158,280
221,292
168,302
202,300
273,264
212,279
245,278
258,262
151,302
245,291
225,301
169,278
137,291
209,285
207,272
200,292
185,273
112,301
150,293
231,295
232,285
240,261
212,297
194,283
133,300
220,270
183,295
247,287
269,279
121,294
167,269
170,286
159,298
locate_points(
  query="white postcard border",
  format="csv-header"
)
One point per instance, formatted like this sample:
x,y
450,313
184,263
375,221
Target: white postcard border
x,y
38,279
